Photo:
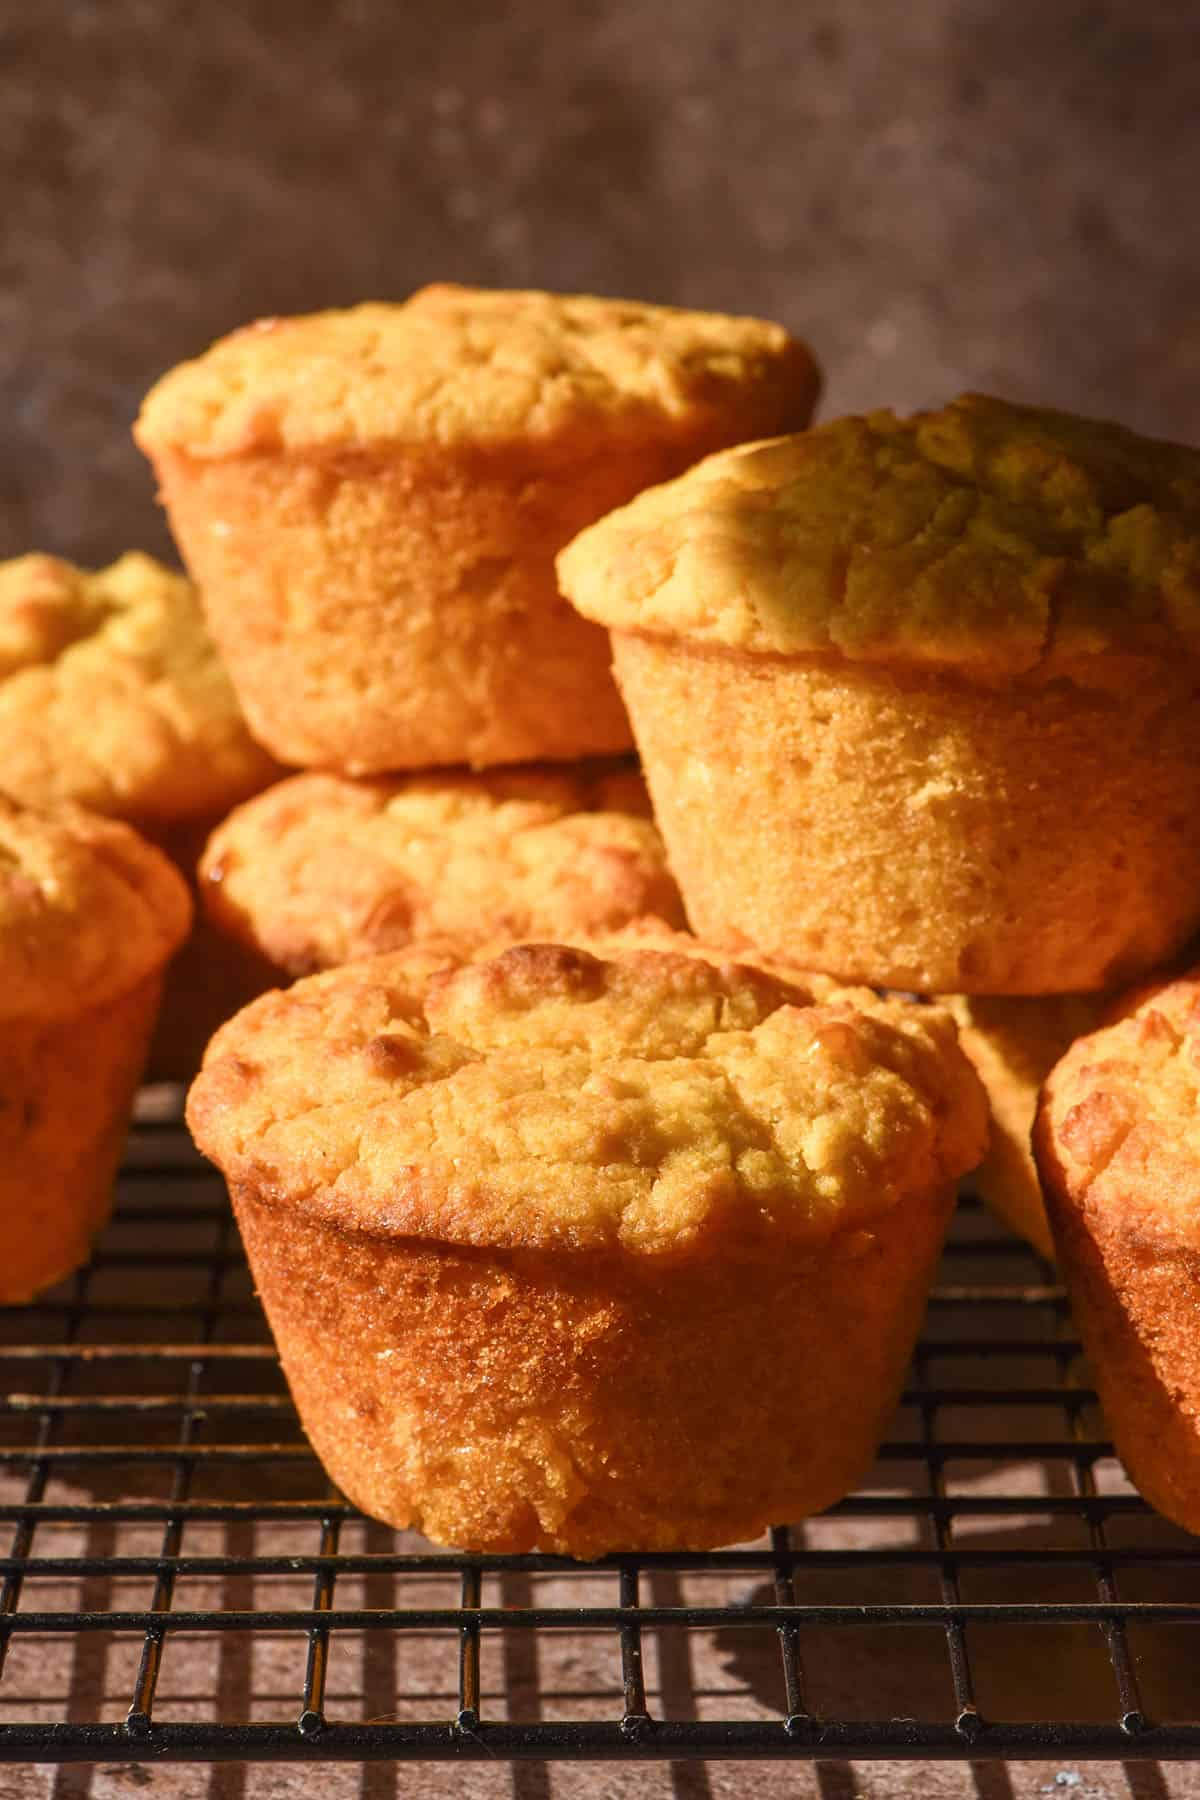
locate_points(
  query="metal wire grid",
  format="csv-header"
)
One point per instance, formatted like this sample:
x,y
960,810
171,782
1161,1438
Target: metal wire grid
x,y
143,1412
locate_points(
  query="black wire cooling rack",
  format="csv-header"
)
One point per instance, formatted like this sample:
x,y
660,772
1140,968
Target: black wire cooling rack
x,y
180,1583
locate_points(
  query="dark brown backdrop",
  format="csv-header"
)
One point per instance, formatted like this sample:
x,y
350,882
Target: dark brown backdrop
x,y
938,193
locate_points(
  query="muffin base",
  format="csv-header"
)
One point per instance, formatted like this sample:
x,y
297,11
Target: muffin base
x,y
399,609
67,1091
583,1402
923,834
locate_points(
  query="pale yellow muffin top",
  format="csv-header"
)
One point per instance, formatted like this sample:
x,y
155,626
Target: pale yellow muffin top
x,y
552,1099
985,537
112,695
320,868
462,366
87,910
1119,1123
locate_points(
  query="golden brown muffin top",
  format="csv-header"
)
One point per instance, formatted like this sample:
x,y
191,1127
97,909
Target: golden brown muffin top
x,y
552,1099
112,694
320,868
465,366
1118,1128
986,537
87,910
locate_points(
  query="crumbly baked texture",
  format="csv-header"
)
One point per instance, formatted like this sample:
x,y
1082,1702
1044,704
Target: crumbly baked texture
x,y
987,538
456,365
372,502
1117,1144
918,832
88,910
112,695
321,869
550,1098
1014,1043
552,1244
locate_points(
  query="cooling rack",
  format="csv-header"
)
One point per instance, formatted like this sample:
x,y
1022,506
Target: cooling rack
x,y
179,1582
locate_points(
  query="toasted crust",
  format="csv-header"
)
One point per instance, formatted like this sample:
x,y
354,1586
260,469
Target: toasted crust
x,y
463,366
87,911
549,1098
988,538
321,869
1117,1145
112,695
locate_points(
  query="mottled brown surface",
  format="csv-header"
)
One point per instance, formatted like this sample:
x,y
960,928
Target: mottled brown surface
x,y
1116,1145
955,193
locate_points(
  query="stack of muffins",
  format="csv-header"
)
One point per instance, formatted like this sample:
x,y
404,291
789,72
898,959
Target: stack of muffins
x,y
576,1229
521,1215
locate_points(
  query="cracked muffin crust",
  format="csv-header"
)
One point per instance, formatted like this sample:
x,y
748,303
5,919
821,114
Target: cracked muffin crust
x,y
934,682
372,501
112,695
89,915
551,1243
989,538
1118,1149
460,365
321,869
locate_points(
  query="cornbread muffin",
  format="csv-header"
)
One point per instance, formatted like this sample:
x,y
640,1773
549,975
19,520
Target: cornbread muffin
x,y
919,700
1014,1044
89,914
372,500
112,695
589,1252
1117,1142
321,869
